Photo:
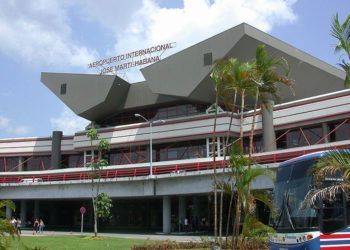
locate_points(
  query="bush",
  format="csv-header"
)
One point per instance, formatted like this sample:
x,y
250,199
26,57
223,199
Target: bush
x,y
165,245
248,244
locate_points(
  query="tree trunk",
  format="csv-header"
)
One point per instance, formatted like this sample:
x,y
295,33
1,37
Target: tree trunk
x,y
236,225
214,163
225,154
242,118
269,136
95,216
229,213
251,136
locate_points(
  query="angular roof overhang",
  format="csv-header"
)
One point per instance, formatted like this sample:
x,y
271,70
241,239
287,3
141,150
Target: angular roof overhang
x,y
183,76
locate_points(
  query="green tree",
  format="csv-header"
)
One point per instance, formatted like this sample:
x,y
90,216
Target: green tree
x,y
243,177
231,77
101,203
218,75
341,31
269,72
7,231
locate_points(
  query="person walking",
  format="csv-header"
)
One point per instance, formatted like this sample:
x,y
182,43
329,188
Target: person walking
x,y
41,226
35,226
19,224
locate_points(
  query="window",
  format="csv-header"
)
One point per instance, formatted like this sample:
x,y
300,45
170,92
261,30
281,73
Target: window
x,y
339,131
63,88
304,137
208,59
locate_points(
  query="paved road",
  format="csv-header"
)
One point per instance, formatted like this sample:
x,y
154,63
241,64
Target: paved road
x,y
174,237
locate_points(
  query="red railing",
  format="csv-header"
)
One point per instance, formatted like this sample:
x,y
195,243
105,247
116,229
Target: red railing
x,y
175,169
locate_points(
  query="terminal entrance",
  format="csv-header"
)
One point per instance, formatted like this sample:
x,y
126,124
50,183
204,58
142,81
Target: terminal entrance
x,y
184,214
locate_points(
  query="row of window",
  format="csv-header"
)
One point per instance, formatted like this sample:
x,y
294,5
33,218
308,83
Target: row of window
x,y
305,136
336,131
154,114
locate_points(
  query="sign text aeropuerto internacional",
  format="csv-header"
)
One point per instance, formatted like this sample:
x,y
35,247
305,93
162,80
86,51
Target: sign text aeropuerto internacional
x,y
131,56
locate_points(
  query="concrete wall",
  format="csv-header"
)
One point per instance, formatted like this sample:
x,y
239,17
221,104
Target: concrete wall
x,y
186,183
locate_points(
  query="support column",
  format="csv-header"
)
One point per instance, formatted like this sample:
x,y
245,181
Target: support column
x,y
56,149
195,207
269,136
20,163
182,212
195,218
23,215
36,209
166,214
8,213
52,215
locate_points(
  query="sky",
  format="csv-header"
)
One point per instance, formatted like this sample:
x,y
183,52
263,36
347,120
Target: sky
x,y
66,35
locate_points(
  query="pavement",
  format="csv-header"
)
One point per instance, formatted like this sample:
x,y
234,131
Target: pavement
x,y
151,236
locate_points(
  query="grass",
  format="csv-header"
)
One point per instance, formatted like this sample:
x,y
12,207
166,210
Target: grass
x,y
74,243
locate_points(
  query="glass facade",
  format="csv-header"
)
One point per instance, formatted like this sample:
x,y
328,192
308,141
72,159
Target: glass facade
x,y
161,152
36,163
304,136
339,131
9,164
289,138
153,114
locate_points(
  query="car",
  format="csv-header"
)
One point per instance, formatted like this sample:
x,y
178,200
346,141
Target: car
x,y
31,180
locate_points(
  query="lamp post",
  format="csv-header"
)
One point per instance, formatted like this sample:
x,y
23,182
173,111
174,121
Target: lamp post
x,y
150,141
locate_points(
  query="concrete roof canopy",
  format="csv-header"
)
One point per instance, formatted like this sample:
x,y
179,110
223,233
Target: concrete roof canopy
x,y
185,76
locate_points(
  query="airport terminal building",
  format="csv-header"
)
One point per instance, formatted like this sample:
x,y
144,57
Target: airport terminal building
x,y
47,177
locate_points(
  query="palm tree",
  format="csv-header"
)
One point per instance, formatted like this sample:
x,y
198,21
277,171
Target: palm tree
x,y
236,80
334,162
245,198
219,76
342,33
267,76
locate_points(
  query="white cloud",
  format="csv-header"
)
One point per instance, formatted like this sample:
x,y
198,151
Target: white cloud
x,y
4,122
39,32
8,126
198,20
68,122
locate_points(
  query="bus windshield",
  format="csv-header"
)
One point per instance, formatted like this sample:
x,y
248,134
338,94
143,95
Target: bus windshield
x,y
293,182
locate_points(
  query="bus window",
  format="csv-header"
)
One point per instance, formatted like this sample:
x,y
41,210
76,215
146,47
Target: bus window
x,y
333,214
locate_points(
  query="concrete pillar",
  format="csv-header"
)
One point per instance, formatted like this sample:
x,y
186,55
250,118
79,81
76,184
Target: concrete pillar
x,y
325,132
8,213
182,211
196,218
269,136
166,214
20,163
23,215
52,215
36,209
195,207
56,149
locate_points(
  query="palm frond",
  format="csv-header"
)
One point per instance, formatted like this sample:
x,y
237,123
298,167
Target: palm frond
x,y
314,196
334,162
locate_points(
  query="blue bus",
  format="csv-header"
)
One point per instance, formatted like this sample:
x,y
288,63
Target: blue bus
x,y
298,227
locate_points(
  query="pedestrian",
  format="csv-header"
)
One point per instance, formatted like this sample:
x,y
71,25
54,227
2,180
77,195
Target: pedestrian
x,y
186,225
35,226
19,224
14,224
41,226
